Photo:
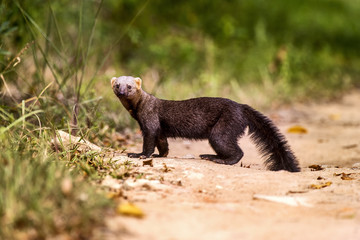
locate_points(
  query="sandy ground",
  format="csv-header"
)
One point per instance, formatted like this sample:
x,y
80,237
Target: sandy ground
x,y
184,197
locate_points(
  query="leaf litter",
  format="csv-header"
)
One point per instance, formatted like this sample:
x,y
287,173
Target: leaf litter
x,y
130,209
319,186
316,167
297,129
344,176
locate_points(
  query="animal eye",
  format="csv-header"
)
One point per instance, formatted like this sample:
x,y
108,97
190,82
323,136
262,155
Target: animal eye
x,y
129,87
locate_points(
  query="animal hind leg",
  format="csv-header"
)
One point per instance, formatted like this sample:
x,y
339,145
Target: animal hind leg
x,y
223,140
227,150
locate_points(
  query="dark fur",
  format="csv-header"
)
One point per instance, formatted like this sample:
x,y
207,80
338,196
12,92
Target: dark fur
x,y
219,120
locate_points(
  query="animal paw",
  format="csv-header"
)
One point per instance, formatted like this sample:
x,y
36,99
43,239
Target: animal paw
x,y
136,155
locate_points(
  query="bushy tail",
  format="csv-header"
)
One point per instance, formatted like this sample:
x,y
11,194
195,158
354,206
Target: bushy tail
x,y
271,143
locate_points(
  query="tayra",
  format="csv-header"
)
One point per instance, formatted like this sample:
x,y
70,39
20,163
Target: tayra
x,y
221,121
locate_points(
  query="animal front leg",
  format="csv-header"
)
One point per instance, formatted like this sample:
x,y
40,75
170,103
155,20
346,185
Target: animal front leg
x,y
148,147
163,147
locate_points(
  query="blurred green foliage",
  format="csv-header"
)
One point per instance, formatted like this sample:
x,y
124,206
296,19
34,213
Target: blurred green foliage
x,y
288,49
252,51
237,40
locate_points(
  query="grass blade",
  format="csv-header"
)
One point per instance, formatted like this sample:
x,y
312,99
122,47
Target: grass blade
x,y
18,121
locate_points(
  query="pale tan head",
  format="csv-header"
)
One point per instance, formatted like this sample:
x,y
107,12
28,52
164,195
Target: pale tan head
x,y
126,86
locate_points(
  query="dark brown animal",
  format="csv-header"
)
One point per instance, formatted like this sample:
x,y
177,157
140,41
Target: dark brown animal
x,y
220,120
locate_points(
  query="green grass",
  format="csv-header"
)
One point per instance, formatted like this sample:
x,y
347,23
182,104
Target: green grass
x,y
47,192
40,195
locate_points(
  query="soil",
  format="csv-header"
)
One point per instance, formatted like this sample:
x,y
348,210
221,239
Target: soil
x,y
184,197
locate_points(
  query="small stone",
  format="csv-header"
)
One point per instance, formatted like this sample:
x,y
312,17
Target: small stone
x,y
356,165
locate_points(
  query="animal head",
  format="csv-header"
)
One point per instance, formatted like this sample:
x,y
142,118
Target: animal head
x,y
126,86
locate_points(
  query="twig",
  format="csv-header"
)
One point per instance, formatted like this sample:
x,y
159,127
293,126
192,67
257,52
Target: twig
x,y
17,57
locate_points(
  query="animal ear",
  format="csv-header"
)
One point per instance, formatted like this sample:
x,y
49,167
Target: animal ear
x,y
113,81
138,83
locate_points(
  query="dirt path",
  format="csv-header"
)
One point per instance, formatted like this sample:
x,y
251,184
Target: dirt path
x,y
184,197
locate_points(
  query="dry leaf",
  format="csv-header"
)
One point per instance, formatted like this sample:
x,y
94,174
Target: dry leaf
x,y
148,162
316,167
346,176
166,168
129,209
319,186
297,129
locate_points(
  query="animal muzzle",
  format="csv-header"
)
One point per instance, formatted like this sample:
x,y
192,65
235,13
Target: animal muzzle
x,y
120,91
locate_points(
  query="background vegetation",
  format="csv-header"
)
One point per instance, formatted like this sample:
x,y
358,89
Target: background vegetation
x,y
57,57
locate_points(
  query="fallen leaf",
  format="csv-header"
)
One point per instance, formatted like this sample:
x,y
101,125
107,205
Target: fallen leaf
x,y
316,167
319,186
166,168
148,162
129,209
244,166
346,176
297,129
